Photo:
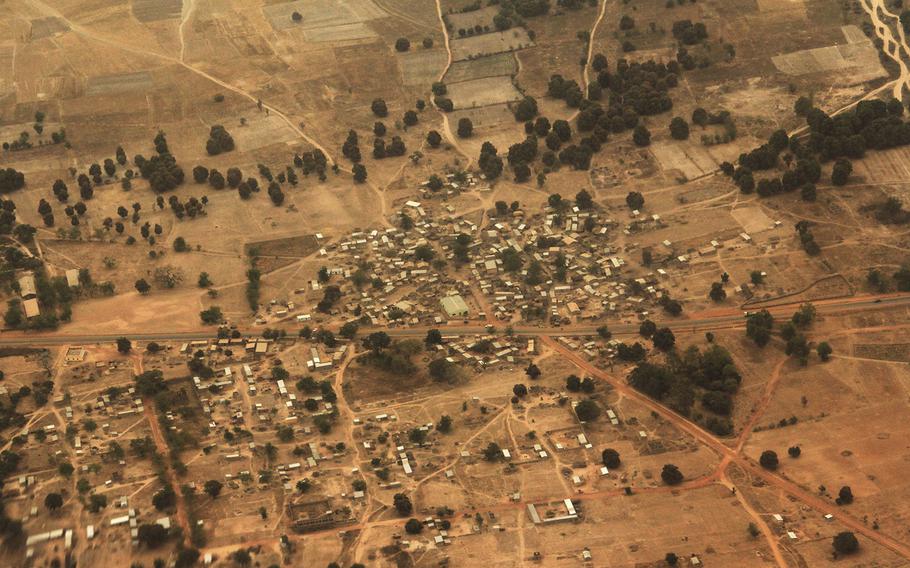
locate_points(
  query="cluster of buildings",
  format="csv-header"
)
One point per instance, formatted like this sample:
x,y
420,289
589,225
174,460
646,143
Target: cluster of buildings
x,y
29,291
569,269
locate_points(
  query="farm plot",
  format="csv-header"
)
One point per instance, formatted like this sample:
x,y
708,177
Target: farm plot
x,y
486,116
692,161
470,20
857,55
790,7
491,66
288,247
886,166
752,219
488,44
325,20
883,351
119,83
483,92
156,10
422,67
261,133
47,27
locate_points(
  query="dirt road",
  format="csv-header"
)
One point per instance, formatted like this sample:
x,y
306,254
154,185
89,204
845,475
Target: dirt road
x,y
164,451
733,456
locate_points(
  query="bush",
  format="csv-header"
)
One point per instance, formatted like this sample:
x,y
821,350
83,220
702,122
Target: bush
x,y
587,410
610,458
845,543
671,475
768,460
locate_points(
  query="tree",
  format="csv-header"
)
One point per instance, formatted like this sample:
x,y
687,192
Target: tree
x,y
679,129
434,337
635,200
213,487
348,330
379,108
584,200
413,526
647,329
804,316
377,341
402,44
526,109
824,350
845,543
604,333
717,293
434,139
410,118
402,504
242,557
211,316
142,286
664,339
671,475
802,106
360,173
219,141
841,172
150,383
794,451
164,498
66,469
187,557
492,452
465,127
768,460
445,424
204,280
442,370
53,501
844,496
808,192
180,245
124,345
152,535
758,327
533,371
587,410
641,136
610,458
520,390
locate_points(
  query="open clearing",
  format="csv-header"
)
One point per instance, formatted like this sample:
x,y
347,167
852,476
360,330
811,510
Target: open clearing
x,y
490,66
325,20
688,159
483,92
490,43
858,56
120,83
156,10
752,219
422,67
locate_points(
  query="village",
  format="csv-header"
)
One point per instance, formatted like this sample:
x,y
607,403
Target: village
x,y
454,283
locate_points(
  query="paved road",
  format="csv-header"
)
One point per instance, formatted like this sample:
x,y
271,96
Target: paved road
x,y
722,318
